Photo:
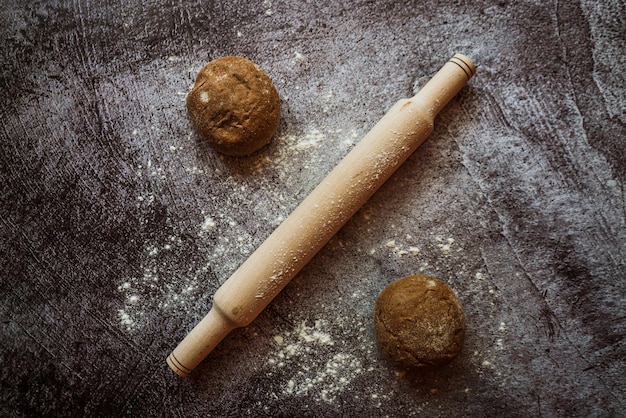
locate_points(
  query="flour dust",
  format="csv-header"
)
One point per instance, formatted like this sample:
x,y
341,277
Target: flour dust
x,y
314,363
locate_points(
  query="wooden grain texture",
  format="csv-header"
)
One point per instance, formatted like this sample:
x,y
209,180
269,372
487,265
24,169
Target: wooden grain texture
x,y
118,223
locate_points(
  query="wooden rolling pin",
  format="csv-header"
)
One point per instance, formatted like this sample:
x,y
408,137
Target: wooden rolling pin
x,y
329,206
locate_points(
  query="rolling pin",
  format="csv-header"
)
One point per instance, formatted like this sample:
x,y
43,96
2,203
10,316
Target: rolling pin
x,y
329,206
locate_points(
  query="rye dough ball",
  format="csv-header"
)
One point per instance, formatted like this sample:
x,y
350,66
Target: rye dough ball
x,y
419,322
234,106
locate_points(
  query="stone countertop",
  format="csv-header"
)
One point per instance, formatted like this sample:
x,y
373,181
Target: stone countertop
x,y
119,223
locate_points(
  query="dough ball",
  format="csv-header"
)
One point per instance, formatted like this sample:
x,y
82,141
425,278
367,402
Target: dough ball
x,y
234,106
419,322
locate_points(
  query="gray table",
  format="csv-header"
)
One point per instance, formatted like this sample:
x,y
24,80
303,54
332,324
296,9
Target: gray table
x,y
119,223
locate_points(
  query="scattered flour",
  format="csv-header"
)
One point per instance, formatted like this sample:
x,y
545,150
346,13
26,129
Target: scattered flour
x,y
500,339
321,369
298,57
399,249
300,342
352,139
155,288
445,245
208,223
311,139
146,198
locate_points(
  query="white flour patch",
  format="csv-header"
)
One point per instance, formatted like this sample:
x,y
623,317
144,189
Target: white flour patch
x,y
414,250
145,199
400,249
194,170
311,139
155,288
151,170
352,139
321,369
208,223
445,245
500,340
299,164
298,57
231,246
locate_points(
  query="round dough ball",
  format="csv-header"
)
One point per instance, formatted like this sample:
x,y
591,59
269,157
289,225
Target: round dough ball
x,y
419,322
234,106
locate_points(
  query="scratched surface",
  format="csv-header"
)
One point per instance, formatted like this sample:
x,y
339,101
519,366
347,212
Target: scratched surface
x,y
118,223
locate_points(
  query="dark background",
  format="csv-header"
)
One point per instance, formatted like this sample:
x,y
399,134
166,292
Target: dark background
x,y
118,223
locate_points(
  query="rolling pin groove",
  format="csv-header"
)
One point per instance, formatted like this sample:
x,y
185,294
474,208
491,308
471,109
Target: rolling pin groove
x,y
179,368
468,69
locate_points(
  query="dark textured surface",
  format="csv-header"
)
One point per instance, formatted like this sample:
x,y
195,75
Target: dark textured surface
x,y
118,224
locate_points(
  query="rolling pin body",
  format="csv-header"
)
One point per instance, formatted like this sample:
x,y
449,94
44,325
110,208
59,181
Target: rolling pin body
x,y
327,208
